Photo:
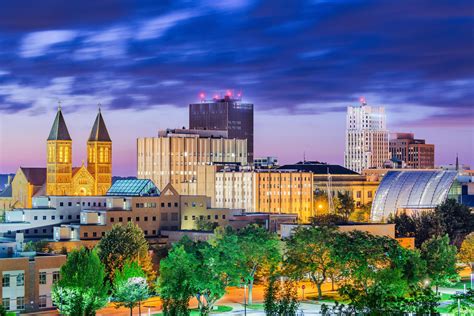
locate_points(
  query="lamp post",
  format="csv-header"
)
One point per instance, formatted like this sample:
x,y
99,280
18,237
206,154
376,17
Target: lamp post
x,y
245,298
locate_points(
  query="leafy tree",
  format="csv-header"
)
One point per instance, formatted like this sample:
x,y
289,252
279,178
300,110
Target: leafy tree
x,y
458,220
130,286
177,280
327,220
3,311
463,301
308,252
38,246
440,259
281,297
125,243
378,273
203,224
258,249
466,253
346,205
82,289
363,213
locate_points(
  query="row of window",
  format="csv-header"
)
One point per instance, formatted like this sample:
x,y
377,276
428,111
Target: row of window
x,y
153,232
20,303
93,204
153,205
53,217
164,217
20,278
194,217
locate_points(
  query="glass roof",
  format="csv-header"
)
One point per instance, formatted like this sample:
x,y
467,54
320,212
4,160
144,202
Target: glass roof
x,y
133,187
411,189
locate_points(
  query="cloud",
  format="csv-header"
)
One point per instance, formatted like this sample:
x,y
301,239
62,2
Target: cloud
x,y
156,27
37,43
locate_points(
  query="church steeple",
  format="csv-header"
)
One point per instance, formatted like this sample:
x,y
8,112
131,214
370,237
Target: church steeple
x,y
59,129
99,155
99,131
59,162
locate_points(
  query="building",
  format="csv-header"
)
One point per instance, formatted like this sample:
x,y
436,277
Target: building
x,y
225,114
265,162
60,177
27,277
335,178
413,191
174,156
415,153
367,144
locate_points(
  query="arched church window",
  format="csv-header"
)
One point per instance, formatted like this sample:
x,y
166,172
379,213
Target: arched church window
x,y
106,155
101,155
66,154
61,154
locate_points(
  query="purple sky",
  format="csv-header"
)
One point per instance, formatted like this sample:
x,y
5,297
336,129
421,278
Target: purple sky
x,y
300,62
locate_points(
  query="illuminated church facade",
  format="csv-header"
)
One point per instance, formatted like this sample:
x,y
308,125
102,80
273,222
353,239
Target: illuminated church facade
x,y
94,178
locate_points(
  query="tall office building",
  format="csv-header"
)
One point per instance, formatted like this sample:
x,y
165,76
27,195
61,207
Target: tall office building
x,y
227,114
366,137
173,156
414,152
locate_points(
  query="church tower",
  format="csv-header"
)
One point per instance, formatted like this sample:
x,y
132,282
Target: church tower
x,y
99,156
59,153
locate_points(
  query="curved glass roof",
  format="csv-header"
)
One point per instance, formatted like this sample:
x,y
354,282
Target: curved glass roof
x,y
411,189
133,187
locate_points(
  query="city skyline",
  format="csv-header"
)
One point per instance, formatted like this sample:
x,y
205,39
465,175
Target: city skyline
x,y
300,65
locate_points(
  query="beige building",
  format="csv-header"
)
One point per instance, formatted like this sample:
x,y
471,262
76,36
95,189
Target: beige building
x,y
27,281
173,156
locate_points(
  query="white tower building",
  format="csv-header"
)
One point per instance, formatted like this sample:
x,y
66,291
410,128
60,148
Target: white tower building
x,y
367,144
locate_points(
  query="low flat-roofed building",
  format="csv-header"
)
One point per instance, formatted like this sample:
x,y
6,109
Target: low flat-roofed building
x,y
27,279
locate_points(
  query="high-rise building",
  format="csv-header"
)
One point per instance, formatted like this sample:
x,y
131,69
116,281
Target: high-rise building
x,y
366,137
414,152
227,114
173,156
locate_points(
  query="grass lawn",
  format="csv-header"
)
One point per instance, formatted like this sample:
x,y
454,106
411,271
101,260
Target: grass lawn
x,y
460,284
257,307
195,312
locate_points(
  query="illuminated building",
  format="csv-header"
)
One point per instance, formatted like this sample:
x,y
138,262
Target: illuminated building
x,y
60,177
367,144
414,152
227,114
174,156
265,162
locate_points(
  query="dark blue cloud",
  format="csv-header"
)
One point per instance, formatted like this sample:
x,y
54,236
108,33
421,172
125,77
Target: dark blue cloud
x,y
282,54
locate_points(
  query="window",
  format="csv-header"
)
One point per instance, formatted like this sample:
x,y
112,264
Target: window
x,y
216,216
359,194
42,301
61,216
20,279
103,234
145,218
69,217
6,280
129,219
20,302
369,194
174,216
223,216
137,218
201,216
44,230
208,216
69,203
77,216
146,232
162,204
153,232
35,218
169,204
55,276
42,278
193,217
94,234
112,219
6,303
53,217
61,203
185,217
44,218
175,204
153,218
86,235
120,219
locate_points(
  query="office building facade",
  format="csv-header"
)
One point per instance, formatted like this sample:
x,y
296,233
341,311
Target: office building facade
x,y
367,144
226,114
173,156
415,153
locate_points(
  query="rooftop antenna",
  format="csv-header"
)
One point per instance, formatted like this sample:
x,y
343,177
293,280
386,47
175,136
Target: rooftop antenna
x,y
59,105
99,105
457,162
304,156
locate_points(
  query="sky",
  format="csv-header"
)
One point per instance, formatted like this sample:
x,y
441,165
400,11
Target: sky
x,y
300,62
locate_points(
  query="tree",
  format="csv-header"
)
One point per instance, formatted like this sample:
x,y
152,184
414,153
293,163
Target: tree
x,y
466,253
177,280
125,243
377,272
440,259
130,286
363,214
280,297
258,248
463,301
458,220
203,224
82,288
308,252
327,220
346,205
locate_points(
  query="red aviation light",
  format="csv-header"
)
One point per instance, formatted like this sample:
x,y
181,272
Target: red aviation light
x,y
202,95
229,93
